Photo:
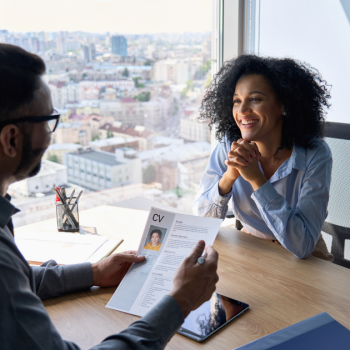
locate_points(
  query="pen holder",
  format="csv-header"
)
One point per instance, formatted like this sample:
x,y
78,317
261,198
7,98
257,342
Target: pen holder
x,y
67,217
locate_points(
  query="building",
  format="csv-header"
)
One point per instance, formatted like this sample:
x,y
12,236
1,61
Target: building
x,y
152,114
63,93
117,129
127,111
99,170
75,132
56,151
49,175
92,50
159,141
119,45
86,107
61,44
64,115
178,166
177,71
191,129
87,54
94,121
35,45
113,143
89,88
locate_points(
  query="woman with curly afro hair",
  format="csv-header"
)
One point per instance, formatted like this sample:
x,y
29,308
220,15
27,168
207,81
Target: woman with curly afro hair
x,y
271,160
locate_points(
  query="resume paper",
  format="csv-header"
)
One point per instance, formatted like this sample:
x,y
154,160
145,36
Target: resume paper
x,y
168,238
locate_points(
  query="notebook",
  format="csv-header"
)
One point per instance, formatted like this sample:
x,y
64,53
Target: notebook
x,y
321,332
64,248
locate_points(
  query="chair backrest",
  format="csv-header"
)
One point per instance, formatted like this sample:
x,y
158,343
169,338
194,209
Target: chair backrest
x,y
336,229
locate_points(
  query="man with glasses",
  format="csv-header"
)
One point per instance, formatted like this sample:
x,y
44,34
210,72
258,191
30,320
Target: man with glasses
x,y
27,120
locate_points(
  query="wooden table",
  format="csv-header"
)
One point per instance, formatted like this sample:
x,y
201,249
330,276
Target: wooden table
x,y
280,288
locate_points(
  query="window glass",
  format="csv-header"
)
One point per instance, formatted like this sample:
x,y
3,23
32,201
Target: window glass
x,y
128,79
314,31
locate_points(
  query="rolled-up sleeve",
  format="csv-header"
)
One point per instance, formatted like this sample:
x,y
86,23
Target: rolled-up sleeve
x,y
299,228
208,201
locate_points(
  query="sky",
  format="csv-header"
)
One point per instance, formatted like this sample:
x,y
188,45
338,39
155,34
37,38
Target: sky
x,y
98,16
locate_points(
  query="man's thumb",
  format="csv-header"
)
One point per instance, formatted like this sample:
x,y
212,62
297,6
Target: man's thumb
x,y
197,251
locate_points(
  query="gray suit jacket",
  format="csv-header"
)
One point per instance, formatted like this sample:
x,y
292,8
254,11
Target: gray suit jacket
x,y
24,322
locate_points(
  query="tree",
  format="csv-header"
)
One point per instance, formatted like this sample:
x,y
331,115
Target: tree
x,y
126,72
207,82
148,63
203,70
96,138
53,158
189,87
137,84
143,97
149,175
109,134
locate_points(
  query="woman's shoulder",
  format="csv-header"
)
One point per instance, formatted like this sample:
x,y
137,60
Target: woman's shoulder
x,y
224,144
320,150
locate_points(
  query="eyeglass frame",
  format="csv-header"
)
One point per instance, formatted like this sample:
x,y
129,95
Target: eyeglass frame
x,y
36,119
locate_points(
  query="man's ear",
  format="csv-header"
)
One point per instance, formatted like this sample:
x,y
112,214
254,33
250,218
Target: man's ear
x,y
9,140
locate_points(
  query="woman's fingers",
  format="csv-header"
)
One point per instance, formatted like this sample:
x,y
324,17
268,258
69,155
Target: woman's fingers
x,y
253,144
237,159
232,163
250,147
242,152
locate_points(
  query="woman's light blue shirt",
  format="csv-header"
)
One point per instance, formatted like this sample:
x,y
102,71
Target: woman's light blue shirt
x,y
291,207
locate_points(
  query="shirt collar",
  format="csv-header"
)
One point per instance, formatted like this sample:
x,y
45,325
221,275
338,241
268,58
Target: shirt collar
x,y
297,161
6,210
298,158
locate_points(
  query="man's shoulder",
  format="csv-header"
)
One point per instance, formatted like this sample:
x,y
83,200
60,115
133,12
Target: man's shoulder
x,y
10,256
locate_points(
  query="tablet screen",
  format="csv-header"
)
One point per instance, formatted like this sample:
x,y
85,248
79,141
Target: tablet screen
x,y
211,316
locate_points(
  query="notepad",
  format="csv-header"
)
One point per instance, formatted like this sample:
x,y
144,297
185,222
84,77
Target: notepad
x,y
321,332
64,248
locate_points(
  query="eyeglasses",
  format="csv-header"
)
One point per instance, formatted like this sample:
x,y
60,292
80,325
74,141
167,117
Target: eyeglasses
x,y
52,120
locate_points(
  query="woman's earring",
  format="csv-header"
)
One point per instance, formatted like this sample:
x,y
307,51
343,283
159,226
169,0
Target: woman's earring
x,y
284,113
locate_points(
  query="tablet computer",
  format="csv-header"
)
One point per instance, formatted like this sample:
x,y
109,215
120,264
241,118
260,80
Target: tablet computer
x,y
211,316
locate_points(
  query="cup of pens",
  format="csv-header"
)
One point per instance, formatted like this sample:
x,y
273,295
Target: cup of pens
x,y
67,211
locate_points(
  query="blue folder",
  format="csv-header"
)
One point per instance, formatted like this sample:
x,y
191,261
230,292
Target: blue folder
x,y
321,332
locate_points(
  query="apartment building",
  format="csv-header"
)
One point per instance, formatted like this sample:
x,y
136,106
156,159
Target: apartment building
x,y
99,170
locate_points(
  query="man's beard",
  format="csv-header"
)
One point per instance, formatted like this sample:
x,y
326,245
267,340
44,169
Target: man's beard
x,y
30,157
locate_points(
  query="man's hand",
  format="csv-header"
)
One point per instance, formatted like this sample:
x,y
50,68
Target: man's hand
x,y
110,271
194,283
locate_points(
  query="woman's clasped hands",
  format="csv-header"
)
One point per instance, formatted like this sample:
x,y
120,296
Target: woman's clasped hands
x,y
243,160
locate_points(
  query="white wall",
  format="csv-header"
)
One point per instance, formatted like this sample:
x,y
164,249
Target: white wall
x,y
314,31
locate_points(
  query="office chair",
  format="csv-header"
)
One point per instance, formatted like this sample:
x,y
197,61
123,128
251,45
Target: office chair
x,y
336,228
230,215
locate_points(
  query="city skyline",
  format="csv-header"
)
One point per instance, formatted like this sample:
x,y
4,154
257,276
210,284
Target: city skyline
x,y
100,16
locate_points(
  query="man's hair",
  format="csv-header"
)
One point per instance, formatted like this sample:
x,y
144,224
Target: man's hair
x,y
19,78
156,231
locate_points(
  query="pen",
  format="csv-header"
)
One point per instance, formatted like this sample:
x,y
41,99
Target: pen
x,y
68,202
76,201
63,191
71,196
202,258
66,209
111,251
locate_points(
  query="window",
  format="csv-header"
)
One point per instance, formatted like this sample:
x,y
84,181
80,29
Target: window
x,y
319,38
125,76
